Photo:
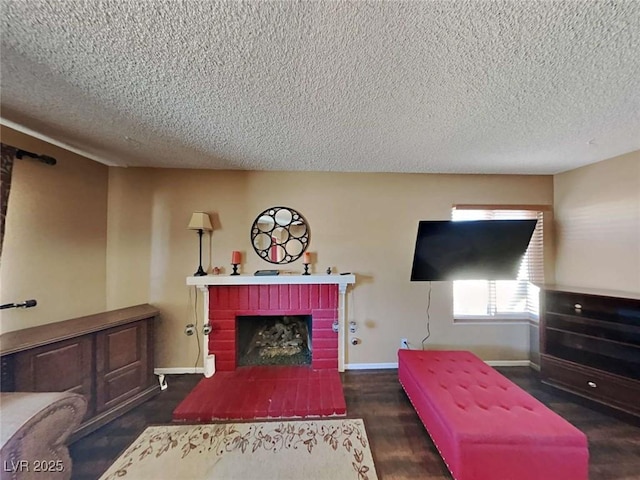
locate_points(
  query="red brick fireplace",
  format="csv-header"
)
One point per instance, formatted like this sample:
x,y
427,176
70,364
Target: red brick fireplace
x,y
258,391
323,297
226,302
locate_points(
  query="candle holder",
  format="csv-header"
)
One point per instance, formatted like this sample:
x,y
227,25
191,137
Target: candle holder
x,y
306,269
235,269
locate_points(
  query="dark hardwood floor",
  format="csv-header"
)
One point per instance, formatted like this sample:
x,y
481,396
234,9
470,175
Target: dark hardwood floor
x,y
401,447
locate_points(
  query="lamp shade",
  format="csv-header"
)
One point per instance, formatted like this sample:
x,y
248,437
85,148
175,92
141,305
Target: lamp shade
x,y
200,221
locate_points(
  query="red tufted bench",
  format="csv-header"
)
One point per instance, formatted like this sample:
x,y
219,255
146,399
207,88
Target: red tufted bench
x,y
484,426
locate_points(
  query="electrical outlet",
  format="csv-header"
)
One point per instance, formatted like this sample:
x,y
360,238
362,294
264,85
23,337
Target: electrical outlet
x,y
404,343
189,329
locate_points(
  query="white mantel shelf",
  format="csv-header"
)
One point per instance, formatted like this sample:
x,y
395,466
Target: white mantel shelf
x,y
209,280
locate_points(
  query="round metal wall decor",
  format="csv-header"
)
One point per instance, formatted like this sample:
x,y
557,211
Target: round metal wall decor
x,y
280,235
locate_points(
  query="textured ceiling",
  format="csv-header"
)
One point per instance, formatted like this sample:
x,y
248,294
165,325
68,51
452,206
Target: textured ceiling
x,y
424,86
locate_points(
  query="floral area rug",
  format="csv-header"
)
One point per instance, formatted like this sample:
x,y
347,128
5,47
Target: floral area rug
x,y
321,449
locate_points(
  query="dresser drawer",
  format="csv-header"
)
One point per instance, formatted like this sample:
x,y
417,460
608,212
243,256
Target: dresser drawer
x,y
610,389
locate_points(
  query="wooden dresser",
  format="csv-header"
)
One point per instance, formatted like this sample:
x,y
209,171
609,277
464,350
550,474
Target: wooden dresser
x,y
107,357
590,344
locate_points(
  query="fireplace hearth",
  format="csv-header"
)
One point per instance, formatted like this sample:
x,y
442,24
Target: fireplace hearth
x,y
273,340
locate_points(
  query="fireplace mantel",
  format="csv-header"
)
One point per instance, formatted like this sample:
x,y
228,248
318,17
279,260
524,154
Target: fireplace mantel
x,y
204,283
210,280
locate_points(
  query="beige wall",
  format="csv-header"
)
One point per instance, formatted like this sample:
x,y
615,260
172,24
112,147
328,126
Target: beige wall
x,y
597,211
64,249
361,223
151,252
55,240
83,238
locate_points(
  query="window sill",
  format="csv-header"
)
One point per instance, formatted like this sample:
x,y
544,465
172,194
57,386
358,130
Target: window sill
x,y
491,320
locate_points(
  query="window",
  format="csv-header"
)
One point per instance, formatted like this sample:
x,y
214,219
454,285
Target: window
x,y
502,299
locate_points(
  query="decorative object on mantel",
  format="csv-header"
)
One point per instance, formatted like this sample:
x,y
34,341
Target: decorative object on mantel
x,y
328,270
265,273
216,270
200,221
280,235
236,259
306,260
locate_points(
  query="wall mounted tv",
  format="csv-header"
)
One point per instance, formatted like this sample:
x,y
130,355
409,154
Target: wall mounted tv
x,y
470,250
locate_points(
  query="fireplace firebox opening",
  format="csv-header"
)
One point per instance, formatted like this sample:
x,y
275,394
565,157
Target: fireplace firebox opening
x,y
273,340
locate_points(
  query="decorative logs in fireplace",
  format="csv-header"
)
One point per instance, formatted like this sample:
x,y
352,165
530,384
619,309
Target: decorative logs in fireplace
x,y
274,340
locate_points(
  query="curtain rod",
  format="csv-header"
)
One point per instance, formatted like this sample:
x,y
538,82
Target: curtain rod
x,y
41,158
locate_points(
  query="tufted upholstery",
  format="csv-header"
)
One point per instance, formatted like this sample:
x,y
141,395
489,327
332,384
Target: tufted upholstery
x,y
485,426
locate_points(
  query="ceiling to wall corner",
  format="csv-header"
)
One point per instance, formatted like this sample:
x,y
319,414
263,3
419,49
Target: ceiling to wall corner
x,y
466,86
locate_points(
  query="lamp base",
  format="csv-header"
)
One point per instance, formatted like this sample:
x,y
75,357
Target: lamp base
x,y
200,272
235,269
306,269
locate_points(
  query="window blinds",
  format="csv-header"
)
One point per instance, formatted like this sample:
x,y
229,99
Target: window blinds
x,y
503,298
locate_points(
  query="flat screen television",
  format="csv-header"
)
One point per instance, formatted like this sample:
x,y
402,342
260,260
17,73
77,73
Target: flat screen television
x,y
470,250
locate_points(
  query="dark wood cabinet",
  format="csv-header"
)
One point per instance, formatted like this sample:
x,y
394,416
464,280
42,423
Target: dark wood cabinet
x,y
122,362
108,358
590,345
60,366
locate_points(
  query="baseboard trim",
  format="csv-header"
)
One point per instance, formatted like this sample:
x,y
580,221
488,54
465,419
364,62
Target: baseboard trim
x,y
508,363
493,363
354,366
178,370
370,366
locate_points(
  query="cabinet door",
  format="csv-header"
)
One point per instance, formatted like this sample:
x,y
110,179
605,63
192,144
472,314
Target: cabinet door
x,y
58,367
121,364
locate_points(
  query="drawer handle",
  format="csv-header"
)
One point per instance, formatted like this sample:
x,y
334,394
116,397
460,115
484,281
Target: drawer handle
x,y
578,307
592,384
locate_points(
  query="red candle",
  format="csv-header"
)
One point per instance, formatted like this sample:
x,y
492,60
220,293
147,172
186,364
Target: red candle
x,y
235,257
306,258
